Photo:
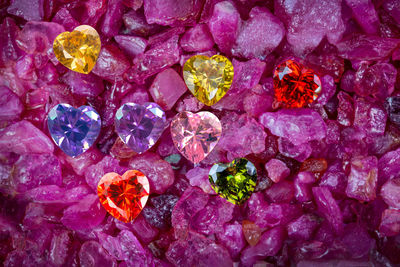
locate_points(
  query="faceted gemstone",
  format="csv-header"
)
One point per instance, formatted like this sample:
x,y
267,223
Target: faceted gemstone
x,y
208,79
140,126
234,181
295,85
195,134
78,50
124,196
74,130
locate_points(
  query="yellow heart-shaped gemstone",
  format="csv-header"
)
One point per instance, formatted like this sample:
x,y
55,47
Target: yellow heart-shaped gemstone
x,y
208,78
78,50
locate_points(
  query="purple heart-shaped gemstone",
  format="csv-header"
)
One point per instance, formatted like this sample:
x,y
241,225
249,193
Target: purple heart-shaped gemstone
x,y
74,130
140,126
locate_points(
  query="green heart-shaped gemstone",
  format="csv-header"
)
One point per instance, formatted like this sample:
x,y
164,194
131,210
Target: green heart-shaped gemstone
x,y
234,181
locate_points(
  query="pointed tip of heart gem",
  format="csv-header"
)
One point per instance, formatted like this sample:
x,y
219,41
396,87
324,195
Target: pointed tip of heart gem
x,y
78,50
195,135
124,196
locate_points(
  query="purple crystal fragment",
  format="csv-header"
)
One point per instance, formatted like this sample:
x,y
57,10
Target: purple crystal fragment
x,y
140,126
74,130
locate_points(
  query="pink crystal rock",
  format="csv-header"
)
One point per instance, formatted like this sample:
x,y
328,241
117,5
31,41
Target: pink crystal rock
x,y
277,170
158,171
167,12
298,125
390,193
232,238
197,39
303,228
199,177
388,167
262,23
23,137
363,178
224,25
305,28
167,88
390,223
195,134
10,105
251,136
329,208
86,214
131,45
196,251
282,192
270,243
92,254
365,14
111,64
154,60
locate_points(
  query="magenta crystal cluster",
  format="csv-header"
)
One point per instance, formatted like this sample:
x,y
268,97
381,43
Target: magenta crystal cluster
x,y
328,190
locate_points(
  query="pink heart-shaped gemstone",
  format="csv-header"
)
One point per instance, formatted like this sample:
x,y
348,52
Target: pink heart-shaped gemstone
x,y
195,135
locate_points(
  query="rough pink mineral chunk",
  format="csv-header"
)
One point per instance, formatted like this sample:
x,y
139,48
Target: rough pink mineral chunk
x,y
199,177
158,171
224,25
86,214
277,170
23,137
390,223
169,12
131,45
329,208
197,39
269,245
262,23
305,27
167,88
363,178
365,14
297,125
390,193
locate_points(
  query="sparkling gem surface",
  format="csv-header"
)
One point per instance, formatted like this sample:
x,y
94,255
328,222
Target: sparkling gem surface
x,y
208,79
140,126
195,134
74,130
295,85
234,181
124,196
78,50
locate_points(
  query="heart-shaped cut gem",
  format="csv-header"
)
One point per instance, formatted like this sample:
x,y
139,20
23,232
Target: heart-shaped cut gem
x,y
78,50
124,196
140,126
195,134
208,78
74,130
234,181
295,85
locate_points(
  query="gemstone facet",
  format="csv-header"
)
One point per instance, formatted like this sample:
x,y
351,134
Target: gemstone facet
x,y
195,134
78,50
234,181
124,196
208,79
140,126
295,85
74,130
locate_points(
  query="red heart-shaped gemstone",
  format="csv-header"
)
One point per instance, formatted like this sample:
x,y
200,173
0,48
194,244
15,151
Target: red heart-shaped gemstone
x,y
295,85
124,196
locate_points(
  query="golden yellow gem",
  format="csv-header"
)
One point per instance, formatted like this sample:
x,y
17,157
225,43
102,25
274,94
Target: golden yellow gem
x,y
208,78
78,50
